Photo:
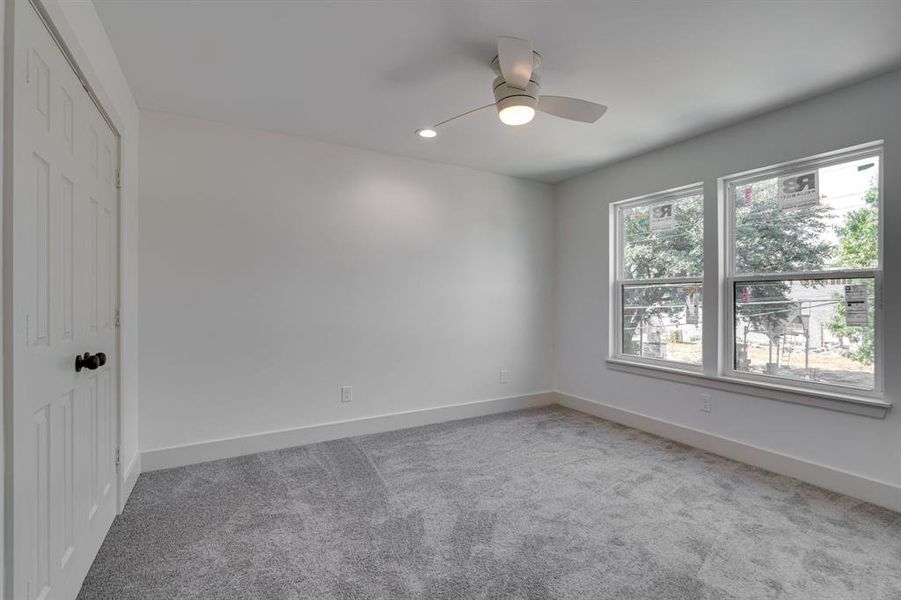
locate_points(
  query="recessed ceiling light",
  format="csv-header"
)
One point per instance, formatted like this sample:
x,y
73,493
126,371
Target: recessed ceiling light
x,y
426,133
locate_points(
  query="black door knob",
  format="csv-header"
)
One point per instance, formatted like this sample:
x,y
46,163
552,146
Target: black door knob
x,y
89,361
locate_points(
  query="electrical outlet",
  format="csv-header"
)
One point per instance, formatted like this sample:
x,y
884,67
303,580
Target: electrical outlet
x,y
347,393
504,378
707,403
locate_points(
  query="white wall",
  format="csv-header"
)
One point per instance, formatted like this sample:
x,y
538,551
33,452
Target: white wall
x,y
83,33
860,445
276,269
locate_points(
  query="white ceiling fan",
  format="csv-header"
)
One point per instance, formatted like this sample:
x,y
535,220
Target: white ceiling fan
x,y
517,90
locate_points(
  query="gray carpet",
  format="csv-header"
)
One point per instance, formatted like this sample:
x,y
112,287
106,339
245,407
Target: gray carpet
x,y
542,503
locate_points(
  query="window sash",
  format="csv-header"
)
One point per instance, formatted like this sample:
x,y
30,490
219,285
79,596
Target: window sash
x,y
730,183
728,328
674,195
617,325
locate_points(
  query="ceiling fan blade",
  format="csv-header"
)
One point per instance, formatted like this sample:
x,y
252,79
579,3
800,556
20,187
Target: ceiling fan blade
x,y
514,57
571,108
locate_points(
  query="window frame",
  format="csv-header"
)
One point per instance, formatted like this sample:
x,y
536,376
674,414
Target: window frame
x,y
717,369
619,283
729,276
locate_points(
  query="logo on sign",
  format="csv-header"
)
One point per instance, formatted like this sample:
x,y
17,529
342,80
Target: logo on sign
x,y
798,190
662,218
793,185
664,211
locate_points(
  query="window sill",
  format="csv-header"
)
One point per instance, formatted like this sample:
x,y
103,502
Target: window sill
x,y
846,403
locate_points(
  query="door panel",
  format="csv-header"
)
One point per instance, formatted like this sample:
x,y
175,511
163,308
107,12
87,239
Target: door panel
x,y
64,294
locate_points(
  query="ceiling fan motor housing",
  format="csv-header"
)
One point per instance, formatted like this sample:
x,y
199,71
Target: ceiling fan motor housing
x,y
506,95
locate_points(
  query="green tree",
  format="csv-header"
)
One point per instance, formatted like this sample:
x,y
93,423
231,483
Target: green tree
x,y
769,239
646,255
859,247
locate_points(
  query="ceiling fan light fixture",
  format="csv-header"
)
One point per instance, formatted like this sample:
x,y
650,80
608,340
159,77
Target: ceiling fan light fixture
x,y
515,106
516,114
517,90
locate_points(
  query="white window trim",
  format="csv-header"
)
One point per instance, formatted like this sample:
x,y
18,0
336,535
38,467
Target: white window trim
x,y
618,283
728,277
719,373
846,403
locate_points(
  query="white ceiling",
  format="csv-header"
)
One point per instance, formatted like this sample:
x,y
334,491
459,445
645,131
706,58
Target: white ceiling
x,y
368,74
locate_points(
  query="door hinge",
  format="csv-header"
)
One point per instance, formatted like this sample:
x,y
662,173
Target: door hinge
x,y
118,456
118,179
117,317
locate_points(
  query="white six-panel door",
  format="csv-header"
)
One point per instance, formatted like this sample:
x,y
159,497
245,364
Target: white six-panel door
x,y
64,296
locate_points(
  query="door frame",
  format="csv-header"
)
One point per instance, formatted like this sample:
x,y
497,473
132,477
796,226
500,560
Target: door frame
x,y
60,31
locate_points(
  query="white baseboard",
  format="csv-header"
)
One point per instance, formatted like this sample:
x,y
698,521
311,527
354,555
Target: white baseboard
x,y
176,456
129,479
857,486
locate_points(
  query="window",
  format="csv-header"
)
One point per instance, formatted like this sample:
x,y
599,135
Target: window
x,y
803,272
799,290
659,271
